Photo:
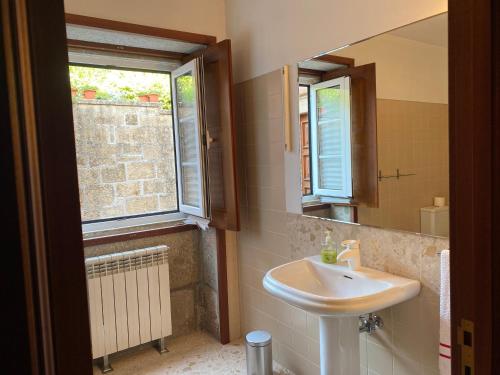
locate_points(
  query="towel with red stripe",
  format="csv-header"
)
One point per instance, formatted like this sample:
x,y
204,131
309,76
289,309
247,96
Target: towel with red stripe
x,y
444,313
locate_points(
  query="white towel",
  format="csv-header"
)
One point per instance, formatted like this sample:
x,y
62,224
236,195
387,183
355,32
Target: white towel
x,y
444,314
199,221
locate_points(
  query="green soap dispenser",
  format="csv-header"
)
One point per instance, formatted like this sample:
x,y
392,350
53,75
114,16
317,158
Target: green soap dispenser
x,y
329,251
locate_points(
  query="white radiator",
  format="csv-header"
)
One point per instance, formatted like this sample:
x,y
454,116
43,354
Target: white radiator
x,y
129,299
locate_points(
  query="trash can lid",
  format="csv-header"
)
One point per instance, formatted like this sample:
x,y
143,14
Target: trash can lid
x,y
258,338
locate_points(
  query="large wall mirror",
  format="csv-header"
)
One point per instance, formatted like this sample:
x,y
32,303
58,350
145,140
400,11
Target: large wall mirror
x,y
374,130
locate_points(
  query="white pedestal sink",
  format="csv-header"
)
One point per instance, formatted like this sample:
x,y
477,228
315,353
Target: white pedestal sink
x,y
338,295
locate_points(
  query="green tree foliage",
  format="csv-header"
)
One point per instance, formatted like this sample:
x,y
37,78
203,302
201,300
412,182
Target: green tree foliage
x,y
121,85
185,89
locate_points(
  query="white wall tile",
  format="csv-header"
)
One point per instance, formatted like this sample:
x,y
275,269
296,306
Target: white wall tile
x,y
379,359
270,237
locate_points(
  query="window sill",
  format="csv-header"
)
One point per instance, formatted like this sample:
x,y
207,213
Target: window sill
x,y
315,206
111,232
134,235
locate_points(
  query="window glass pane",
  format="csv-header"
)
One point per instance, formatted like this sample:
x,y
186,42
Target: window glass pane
x,y
124,142
329,106
187,113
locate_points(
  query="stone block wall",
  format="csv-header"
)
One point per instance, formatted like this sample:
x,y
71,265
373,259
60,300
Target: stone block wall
x,y
126,158
209,283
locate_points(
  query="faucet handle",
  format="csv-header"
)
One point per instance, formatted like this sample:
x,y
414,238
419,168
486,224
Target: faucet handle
x,y
351,254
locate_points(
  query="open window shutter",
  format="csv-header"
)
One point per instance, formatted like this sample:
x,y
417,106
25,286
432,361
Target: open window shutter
x,y
189,132
220,128
330,138
363,132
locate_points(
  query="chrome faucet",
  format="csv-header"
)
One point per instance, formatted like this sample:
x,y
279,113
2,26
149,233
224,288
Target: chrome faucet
x,y
350,254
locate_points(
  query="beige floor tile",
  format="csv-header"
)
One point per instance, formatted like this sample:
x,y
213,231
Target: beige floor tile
x,y
196,353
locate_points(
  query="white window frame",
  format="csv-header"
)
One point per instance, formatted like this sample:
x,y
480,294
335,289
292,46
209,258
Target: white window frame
x,y
346,192
201,209
148,218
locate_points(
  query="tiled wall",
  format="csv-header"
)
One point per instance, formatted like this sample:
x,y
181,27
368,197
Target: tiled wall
x,y
193,272
411,136
269,237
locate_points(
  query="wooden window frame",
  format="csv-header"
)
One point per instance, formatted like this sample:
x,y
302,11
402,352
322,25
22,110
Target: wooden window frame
x,y
341,60
102,23
335,59
75,44
206,40
107,24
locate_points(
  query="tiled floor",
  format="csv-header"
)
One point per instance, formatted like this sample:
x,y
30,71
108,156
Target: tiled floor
x,y
197,353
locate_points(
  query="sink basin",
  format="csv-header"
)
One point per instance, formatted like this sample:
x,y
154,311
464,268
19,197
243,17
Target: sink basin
x,y
330,289
338,295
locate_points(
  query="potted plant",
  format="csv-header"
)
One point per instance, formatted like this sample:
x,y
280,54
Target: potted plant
x,y
127,93
102,95
153,96
89,92
143,96
74,91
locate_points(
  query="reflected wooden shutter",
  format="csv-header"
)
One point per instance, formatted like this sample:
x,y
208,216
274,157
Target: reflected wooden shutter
x,y
220,130
363,132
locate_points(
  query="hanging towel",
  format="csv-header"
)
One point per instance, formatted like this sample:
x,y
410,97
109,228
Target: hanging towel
x,y
444,313
199,221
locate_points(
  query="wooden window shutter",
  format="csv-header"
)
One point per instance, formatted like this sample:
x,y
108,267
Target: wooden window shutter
x,y
220,130
363,132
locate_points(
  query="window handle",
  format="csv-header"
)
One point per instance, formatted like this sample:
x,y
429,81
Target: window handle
x,y
210,140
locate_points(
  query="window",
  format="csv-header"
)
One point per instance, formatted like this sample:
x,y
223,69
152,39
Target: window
x,y
124,142
330,136
154,145
189,133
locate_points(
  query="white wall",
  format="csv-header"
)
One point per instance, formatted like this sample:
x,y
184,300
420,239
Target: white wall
x,y
406,69
269,34
197,16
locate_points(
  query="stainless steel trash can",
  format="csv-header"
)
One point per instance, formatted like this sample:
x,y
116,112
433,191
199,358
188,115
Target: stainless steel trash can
x,y
259,353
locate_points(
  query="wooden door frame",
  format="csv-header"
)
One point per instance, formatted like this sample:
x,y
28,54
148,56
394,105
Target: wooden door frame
x,y
45,171
474,177
56,307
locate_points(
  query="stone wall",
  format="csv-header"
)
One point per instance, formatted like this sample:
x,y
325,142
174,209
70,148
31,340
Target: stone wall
x,y
209,284
126,159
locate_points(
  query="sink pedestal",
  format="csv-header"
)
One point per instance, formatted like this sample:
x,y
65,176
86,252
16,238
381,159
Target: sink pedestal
x,y
339,345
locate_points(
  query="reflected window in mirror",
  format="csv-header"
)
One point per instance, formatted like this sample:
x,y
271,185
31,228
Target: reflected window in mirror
x,y
374,130
340,107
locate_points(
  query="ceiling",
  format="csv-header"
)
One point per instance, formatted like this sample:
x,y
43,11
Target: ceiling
x,y
433,30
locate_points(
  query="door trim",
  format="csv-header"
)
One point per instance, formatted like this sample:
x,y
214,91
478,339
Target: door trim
x,y
46,175
474,183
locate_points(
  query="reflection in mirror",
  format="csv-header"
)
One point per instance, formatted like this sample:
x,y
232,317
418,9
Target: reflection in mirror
x,y
374,130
